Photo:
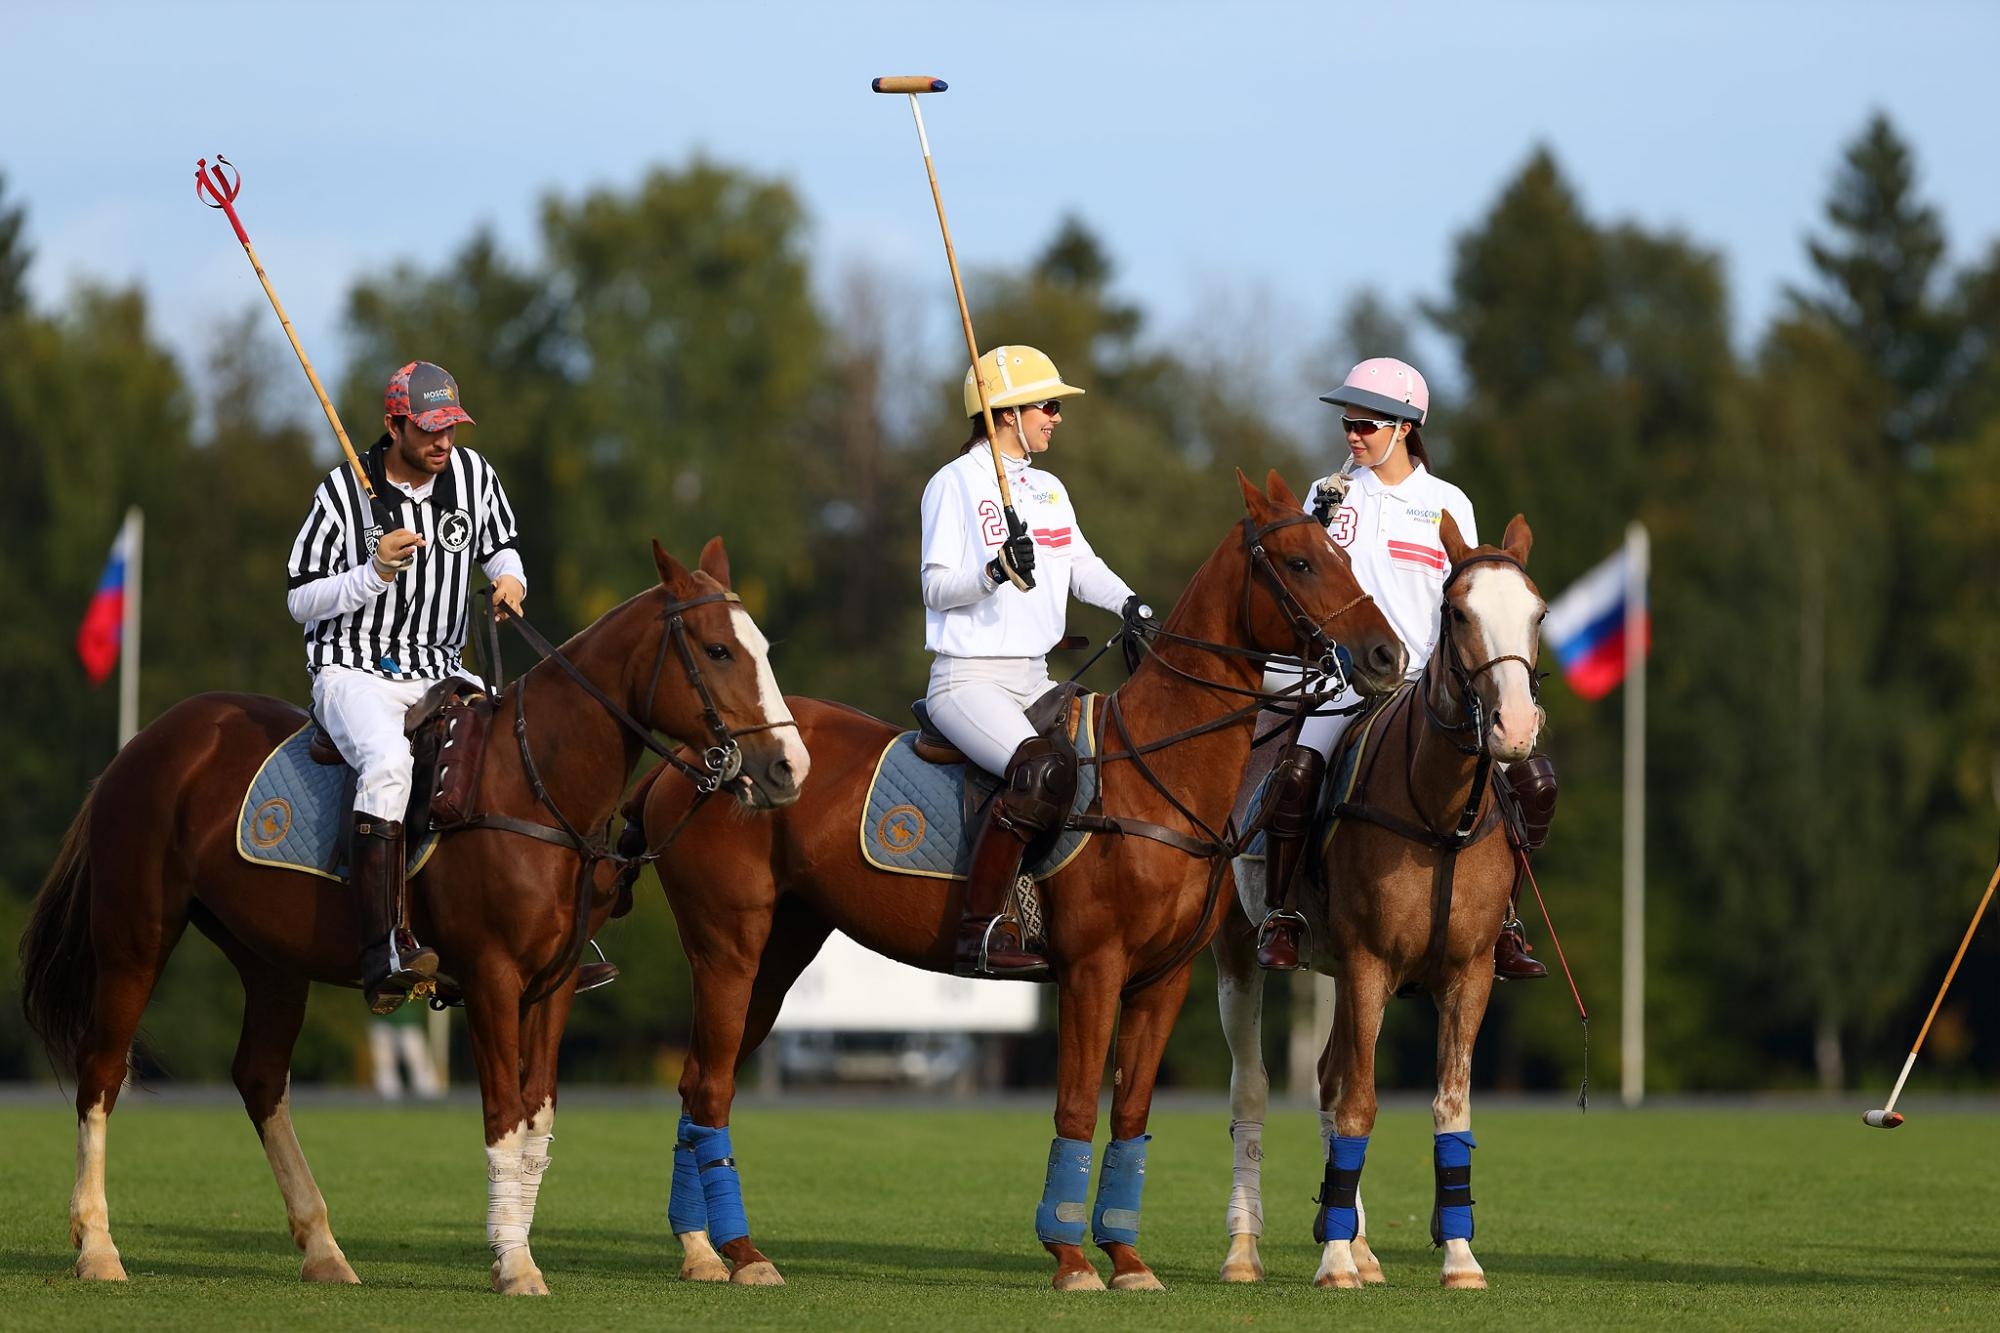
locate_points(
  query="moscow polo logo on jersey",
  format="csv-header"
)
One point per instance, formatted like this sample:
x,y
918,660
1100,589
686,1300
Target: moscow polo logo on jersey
x,y
454,531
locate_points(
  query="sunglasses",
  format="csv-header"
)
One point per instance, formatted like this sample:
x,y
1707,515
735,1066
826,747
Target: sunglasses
x,y
1363,425
1053,407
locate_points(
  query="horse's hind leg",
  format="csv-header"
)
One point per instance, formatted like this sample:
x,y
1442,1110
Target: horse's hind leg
x,y
130,947
1347,1118
1461,1009
274,1008
1239,993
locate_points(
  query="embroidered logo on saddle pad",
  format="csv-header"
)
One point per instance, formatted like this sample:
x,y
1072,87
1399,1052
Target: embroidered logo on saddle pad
x,y
296,813
914,820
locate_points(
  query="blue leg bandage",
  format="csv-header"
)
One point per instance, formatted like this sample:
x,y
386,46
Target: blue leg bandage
x,y
721,1187
686,1209
1061,1215
1120,1182
1339,1218
1451,1215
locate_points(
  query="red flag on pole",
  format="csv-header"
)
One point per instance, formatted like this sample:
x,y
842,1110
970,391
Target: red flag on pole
x,y
97,639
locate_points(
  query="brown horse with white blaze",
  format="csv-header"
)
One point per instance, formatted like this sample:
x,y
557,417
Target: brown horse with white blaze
x,y
1414,888
154,848
1123,918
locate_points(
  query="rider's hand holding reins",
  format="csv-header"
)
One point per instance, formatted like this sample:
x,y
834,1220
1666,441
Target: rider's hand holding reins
x,y
1138,618
1017,557
396,552
508,595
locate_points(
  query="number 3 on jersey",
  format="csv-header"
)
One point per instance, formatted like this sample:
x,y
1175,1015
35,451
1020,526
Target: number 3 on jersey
x,y
1341,527
992,527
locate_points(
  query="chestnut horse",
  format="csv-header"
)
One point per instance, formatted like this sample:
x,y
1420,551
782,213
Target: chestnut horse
x,y
756,899
1415,886
154,847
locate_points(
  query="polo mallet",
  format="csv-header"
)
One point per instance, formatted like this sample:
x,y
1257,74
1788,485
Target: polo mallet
x,y
218,190
914,85
1887,1117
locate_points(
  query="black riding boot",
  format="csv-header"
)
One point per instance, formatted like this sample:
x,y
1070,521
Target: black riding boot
x,y
1532,784
1290,801
1041,781
396,962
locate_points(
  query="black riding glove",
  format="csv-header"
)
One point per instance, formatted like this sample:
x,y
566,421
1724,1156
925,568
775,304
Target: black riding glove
x,y
1138,618
1017,554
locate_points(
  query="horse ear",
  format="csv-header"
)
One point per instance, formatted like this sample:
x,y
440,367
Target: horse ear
x,y
1518,539
1253,499
671,570
715,561
1454,545
1274,486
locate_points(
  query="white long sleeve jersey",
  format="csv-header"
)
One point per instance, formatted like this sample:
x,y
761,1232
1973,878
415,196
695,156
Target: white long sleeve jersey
x,y
965,613
1391,535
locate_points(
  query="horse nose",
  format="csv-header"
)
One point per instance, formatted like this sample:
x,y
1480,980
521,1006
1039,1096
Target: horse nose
x,y
783,776
1385,659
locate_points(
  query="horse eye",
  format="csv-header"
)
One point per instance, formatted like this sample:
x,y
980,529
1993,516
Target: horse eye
x,y
1298,564
1457,616
717,652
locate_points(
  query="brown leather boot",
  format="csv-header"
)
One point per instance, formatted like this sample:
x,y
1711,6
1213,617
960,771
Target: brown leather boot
x,y
1289,803
1041,781
375,868
1510,952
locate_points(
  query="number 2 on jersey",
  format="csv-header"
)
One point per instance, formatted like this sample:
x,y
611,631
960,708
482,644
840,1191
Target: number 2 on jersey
x,y
992,528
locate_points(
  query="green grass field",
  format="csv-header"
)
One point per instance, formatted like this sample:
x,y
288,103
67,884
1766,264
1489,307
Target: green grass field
x,y
921,1218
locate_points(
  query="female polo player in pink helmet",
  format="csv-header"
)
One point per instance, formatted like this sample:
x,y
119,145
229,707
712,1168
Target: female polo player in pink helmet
x,y
1383,508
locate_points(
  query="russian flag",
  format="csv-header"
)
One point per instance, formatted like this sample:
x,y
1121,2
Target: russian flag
x,y
104,620
1586,626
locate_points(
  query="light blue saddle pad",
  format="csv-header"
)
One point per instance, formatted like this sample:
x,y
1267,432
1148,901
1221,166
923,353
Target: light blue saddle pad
x,y
914,820
296,813
1338,786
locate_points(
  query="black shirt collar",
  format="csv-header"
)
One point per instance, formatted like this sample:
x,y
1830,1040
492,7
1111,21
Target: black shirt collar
x,y
444,491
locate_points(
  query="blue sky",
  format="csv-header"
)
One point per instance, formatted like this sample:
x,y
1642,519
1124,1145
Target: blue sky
x,y
1250,165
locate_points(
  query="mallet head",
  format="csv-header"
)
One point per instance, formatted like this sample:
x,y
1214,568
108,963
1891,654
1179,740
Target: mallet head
x,y
908,83
1882,1119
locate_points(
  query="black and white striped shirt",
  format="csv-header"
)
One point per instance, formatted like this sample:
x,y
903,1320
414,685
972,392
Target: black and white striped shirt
x,y
413,628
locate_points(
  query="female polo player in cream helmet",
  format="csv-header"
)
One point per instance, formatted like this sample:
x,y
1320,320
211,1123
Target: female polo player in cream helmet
x,y
991,637
1383,509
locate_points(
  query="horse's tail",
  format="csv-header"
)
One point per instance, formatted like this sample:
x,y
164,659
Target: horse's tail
x,y
58,961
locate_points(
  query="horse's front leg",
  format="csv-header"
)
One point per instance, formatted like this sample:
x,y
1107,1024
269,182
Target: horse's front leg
x,y
1145,1021
1088,1007
541,1043
493,1019
1347,1118
1461,1009
1239,994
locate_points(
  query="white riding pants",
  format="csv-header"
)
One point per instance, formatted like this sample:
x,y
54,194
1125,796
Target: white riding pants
x,y
980,704
363,713
1324,728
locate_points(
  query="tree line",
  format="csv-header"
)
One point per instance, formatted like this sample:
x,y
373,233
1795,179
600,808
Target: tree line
x,y
1824,504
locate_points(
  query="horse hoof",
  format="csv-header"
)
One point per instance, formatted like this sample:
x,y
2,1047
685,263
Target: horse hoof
x,y
1347,1279
1143,1280
1242,1270
1080,1280
704,1270
331,1268
99,1266
762,1273
1473,1281
1367,1264
528,1282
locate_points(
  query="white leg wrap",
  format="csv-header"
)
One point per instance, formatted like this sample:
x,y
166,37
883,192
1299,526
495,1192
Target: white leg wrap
x,y
1326,1133
534,1161
1246,1192
506,1219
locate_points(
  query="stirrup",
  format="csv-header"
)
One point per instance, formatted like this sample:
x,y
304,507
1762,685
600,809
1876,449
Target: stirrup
x,y
983,966
606,972
1266,929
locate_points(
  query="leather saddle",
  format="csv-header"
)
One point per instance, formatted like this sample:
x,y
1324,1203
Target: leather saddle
x,y
447,729
1054,716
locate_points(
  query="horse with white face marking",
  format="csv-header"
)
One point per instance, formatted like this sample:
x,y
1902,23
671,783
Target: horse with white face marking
x,y
1413,887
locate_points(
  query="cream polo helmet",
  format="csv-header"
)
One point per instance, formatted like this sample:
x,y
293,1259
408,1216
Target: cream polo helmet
x,y
1015,376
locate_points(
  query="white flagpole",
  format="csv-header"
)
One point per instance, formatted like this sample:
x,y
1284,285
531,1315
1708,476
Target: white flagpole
x,y
1632,1017
128,634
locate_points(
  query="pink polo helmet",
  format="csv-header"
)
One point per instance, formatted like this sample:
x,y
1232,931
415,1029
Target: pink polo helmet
x,y
1385,385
